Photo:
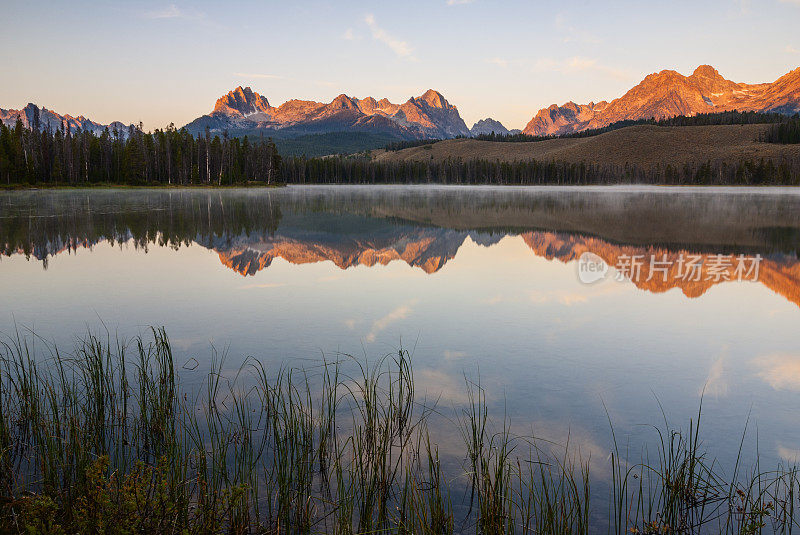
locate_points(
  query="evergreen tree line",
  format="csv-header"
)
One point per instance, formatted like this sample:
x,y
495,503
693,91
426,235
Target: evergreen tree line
x,y
787,132
339,170
168,156
410,143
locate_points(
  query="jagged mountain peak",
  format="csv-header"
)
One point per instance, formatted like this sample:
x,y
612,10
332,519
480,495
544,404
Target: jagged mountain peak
x,y
434,99
343,102
241,101
706,71
488,126
368,103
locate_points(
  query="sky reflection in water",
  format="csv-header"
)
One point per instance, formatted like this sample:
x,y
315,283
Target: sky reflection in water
x,y
474,281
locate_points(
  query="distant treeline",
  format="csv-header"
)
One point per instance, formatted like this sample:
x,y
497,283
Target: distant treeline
x,y
409,143
787,132
169,156
701,119
175,157
480,171
315,145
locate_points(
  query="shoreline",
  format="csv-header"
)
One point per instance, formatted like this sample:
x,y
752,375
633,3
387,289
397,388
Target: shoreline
x,y
155,185
159,186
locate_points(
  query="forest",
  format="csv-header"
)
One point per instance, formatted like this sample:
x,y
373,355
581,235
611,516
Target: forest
x,y
785,132
340,170
165,157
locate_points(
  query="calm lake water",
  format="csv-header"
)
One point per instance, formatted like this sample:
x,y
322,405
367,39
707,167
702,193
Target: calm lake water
x,y
475,281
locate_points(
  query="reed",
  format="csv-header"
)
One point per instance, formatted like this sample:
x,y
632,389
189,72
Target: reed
x,y
107,439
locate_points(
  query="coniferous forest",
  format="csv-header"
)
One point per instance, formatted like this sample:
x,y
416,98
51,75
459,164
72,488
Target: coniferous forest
x,y
166,157
175,157
787,132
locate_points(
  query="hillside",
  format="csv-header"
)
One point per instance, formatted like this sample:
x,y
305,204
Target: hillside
x,y
642,145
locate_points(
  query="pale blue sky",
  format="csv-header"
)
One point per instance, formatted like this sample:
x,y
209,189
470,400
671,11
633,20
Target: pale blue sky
x,y
162,62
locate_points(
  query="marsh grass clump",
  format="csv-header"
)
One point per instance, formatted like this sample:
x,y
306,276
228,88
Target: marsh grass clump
x,y
106,439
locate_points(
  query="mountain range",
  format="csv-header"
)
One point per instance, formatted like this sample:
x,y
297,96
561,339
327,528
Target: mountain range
x,y
429,249
50,120
668,94
371,123
242,110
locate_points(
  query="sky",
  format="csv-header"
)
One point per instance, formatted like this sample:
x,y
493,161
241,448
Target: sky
x,y
168,62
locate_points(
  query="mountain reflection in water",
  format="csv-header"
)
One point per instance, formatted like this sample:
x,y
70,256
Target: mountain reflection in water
x,y
423,227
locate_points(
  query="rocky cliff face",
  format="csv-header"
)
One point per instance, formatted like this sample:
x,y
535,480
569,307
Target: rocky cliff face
x,y
428,116
669,93
31,114
564,119
242,103
487,126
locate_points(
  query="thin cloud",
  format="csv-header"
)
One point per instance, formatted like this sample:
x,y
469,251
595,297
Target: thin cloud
x,y
500,62
791,50
790,455
570,33
579,64
717,382
458,2
380,324
262,286
172,11
401,48
450,355
565,298
258,75
780,371
349,35
438,386
744,7
169,12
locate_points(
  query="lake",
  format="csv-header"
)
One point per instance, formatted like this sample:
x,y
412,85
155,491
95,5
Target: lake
x,y
577,308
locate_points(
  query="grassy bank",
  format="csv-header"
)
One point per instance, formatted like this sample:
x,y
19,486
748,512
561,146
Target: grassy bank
x,y
107,439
